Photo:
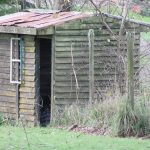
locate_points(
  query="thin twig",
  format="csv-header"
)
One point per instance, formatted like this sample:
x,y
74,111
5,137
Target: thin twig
x,y
103,20
25,133
75,75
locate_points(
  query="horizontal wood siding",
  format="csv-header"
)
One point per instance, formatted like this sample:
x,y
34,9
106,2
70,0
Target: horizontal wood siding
x,y
27,88
7,90
74,36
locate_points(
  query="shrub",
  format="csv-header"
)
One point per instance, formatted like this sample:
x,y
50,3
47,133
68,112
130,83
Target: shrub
x,y
131,122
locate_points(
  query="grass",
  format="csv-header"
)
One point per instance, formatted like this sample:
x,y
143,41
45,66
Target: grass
x,y
139,17
146,19
14,138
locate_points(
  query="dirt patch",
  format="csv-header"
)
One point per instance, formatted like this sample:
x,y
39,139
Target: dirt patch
x,y
90,130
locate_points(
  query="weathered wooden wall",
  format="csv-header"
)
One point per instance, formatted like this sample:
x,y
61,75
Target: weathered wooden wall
x,y
27,101
74,36
27,88
7,90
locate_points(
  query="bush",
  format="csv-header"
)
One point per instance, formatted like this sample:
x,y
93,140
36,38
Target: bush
x,y
145,5
135,122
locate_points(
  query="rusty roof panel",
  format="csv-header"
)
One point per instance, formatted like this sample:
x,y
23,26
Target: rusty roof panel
x,y
47,19
60,21
14,16
39,20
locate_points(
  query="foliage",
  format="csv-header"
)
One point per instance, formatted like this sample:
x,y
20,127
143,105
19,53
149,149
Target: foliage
x,y
8,1
8,7
131,122
5,9
4,1
144,6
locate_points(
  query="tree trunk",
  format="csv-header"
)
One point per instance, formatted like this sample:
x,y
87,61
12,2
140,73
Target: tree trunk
x,y
62,5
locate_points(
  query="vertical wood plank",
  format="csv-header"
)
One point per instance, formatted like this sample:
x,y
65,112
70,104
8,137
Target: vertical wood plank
x,y
52,78
130,44
91,65
37,83
17,102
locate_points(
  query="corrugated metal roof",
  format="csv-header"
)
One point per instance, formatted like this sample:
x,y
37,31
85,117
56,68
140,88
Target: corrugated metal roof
x,y
33,21
39,20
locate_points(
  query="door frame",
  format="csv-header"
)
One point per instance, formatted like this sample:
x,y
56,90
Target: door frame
x,y
51,37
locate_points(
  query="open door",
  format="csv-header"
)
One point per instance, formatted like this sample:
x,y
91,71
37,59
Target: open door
x,y
45,80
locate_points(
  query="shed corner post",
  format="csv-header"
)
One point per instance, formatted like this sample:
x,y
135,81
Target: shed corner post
x,y
52,78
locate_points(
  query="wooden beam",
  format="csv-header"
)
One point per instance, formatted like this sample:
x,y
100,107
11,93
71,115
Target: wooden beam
x,y
17,30
47,31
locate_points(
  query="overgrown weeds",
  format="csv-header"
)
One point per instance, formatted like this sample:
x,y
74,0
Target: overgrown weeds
x,y
1,119
98,114
114,113
133,122
6,120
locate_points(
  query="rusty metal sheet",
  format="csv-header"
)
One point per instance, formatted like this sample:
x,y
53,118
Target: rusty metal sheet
x,y
60,21
17,20
52,18
43,20
29,18
13,17
39,20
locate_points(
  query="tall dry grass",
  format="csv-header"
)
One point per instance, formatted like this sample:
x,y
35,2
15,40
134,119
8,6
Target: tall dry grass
x,y
113,114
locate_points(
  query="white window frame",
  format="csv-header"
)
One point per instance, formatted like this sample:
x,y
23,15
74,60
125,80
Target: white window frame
x,y
13,60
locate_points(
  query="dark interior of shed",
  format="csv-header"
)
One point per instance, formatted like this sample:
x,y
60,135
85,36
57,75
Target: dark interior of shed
x,y
45,81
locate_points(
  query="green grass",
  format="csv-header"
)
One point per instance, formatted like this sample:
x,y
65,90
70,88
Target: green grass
x,y
139,17
146,19
14,138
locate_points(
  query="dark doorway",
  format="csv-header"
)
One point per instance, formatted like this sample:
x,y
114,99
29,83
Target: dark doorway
x,y
45,81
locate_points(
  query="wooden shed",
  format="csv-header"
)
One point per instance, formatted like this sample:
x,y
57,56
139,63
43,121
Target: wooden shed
x,y
44,60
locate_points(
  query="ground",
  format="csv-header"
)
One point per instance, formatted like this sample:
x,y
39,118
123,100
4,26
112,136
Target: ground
x,y
19,138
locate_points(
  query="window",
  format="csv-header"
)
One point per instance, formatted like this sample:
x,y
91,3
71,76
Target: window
x,y
16,60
